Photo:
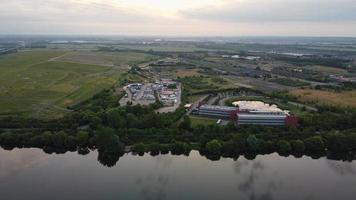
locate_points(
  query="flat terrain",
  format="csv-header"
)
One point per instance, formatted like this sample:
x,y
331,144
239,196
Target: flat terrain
x,y
106,58
344,99
187,72
162,47
332,70
42,83
195,121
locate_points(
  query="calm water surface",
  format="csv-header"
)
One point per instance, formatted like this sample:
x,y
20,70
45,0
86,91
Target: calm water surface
x,y
33,174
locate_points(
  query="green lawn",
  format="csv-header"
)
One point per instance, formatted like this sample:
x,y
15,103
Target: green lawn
x,y
31,85
195,121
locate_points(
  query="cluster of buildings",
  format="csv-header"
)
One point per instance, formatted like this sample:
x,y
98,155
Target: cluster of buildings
x,y
135,89
138,93
342,79
245,113
168,91
252,58
165,90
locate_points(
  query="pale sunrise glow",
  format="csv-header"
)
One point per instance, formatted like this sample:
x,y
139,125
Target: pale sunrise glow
x,y
180,17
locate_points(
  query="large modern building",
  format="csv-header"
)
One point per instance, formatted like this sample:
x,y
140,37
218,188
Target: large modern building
x,y
224,112
249,114
275,119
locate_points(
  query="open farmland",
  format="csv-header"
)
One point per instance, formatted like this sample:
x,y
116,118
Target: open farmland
x,y
344,99
107,58
187,72
36,84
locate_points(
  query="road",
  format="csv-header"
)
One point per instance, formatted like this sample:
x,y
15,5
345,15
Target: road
x,y
123,101
302,105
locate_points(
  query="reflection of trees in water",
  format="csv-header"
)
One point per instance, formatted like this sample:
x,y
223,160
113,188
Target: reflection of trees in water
x,y
83,151
341,168
154,184
250,173
109,159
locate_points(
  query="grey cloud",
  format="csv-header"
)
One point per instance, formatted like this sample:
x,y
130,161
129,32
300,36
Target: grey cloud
x,y
277,11
57,11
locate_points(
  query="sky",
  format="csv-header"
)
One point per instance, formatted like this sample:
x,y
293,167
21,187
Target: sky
x,y
180,17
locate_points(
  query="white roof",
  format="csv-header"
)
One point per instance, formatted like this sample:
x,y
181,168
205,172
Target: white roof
x,y
258,107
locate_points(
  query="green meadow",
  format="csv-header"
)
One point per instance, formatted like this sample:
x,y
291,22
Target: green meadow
x,y
36,84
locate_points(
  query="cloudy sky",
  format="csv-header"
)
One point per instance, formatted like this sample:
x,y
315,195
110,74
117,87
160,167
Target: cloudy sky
x,y
180,17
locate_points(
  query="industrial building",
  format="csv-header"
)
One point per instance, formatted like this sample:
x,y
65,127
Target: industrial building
x,y
224,112
247,115
266,119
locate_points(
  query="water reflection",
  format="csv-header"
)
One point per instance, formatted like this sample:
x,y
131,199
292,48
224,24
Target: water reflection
x,y
154,184
341,168
16,160
107,159
25,173
250,173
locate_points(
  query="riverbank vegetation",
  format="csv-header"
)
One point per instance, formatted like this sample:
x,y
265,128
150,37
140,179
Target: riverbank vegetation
x,y
101,123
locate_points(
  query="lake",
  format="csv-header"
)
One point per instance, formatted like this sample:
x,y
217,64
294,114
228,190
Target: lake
x,y
32,174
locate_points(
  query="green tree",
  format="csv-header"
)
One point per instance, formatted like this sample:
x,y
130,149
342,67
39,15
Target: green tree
x,y
298,146
315,143
9,138
284,146
186,124
139,148
253,144
47,138
214,147
180,148
154,148
82,138
58,139
71,142
240,143
164,148
115,119
338,142
107,141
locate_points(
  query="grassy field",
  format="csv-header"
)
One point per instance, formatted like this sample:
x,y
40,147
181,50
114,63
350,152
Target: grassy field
x,y
344,99
36,84
332,70
195,121
185,73
107,58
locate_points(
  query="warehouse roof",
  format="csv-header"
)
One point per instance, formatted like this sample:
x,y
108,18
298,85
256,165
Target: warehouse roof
x,y
222,108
